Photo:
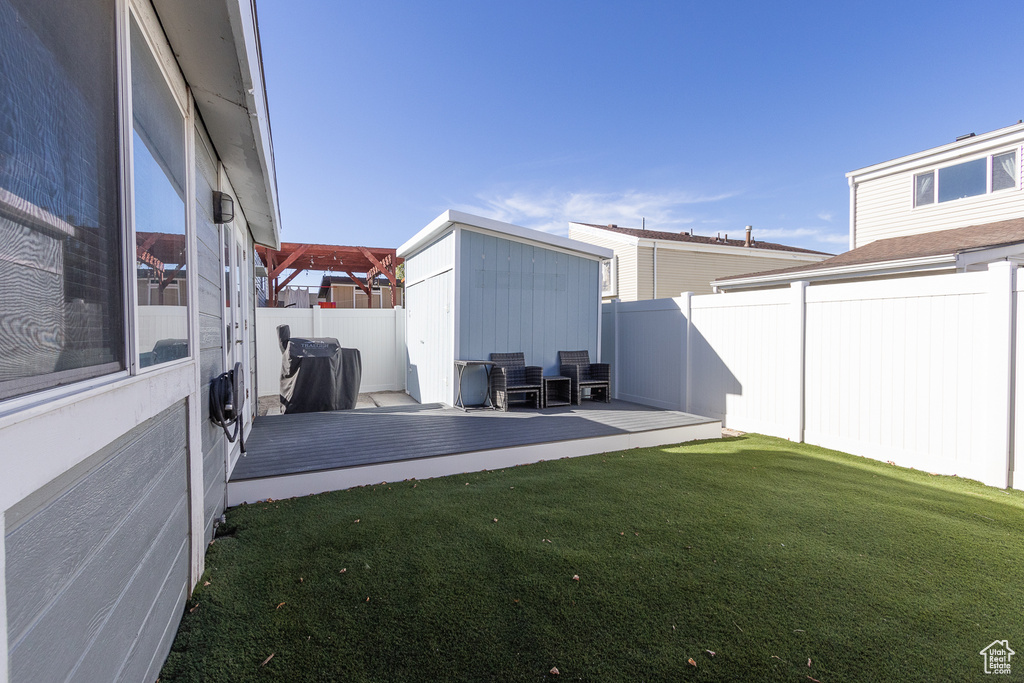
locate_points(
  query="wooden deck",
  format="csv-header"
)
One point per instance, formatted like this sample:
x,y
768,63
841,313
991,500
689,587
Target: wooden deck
x,y
292,455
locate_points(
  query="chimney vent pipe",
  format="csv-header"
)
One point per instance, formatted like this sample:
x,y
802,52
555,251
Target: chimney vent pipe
x,y
750,229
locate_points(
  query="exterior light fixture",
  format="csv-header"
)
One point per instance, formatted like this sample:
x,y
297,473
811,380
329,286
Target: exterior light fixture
x,y
223,208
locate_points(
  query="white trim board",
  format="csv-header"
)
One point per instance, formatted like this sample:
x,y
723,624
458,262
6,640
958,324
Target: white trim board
x,y
291,486
450,218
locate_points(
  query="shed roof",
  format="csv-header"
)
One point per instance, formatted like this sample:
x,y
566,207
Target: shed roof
x,y
700,239
936,249
450,218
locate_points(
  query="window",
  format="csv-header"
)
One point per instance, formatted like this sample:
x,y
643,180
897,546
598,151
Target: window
x,y
609,283
967,179
62,310
158,174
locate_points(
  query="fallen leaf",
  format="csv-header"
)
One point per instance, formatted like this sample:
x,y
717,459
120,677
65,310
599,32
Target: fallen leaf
x,y
622,533
495,519
415,485
267,659
356,522
710,652
554,671
635,533
206,583
691,662
808,662
343,571
813,679
778,658
301,579
575,577
279,605
194,608
367,599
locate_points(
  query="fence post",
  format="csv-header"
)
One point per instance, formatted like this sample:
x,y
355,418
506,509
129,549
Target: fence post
x,y
798,364
615,348
1004,274
399,322
685,384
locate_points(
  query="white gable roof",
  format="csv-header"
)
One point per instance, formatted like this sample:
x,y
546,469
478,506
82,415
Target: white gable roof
x,y
450,218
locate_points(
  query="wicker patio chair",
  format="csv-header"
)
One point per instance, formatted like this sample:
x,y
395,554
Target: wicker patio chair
x,y
583,374
511,375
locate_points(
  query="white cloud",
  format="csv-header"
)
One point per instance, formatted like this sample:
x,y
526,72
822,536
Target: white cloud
x,y
553,211
825,216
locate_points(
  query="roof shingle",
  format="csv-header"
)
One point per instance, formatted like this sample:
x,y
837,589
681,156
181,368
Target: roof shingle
x,y
938,243
700,239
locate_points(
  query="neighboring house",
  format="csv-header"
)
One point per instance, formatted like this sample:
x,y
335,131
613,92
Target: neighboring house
x,y
345,292
649,264
955,208
972,181
136,175
477,286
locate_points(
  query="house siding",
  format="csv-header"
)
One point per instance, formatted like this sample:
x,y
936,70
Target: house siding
x,y
644,274
97,561
211,324
523,297
625,262
692,271
883,200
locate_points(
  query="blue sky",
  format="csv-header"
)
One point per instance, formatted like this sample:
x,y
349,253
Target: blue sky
x,y
694,115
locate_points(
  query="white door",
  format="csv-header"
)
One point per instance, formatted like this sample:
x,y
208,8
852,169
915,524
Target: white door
x,y
237,326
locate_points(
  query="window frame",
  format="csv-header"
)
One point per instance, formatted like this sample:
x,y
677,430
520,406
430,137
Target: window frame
x,y
989,172
613,277
44,388
149,27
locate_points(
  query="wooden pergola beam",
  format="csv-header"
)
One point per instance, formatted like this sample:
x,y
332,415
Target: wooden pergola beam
x,y
290,260
362,285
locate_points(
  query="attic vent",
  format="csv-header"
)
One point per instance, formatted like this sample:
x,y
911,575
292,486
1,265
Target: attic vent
x,y
612,225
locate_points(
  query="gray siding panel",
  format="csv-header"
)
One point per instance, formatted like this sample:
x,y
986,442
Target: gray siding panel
x,y
77,557
520,297
211,327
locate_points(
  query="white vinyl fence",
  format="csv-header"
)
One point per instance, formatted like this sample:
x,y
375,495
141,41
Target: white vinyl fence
x,y
917,370
379,334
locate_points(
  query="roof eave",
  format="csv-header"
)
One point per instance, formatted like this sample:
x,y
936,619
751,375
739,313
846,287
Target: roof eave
x,y
216,43
900,266
451,217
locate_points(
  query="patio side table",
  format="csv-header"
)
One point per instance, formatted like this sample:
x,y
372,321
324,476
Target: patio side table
x,y
557,391
460,367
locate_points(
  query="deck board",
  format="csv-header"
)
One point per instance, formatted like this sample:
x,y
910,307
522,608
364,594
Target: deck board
x,y
310,442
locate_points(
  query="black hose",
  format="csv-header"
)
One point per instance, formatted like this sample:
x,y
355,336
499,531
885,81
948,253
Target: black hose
x,y
223,411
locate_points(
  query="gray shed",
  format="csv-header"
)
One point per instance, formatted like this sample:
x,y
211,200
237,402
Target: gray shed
x,y
476,286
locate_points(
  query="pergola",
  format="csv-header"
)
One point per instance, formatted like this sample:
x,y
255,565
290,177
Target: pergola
x,y
369,261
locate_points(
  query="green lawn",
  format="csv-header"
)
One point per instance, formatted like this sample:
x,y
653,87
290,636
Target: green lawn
x,y
768,553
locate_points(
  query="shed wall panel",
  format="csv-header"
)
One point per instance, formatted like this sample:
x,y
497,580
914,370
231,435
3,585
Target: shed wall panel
x,y
523,297
430,318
